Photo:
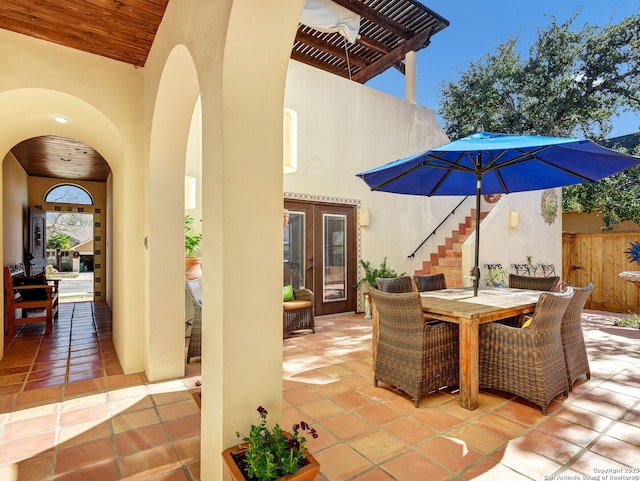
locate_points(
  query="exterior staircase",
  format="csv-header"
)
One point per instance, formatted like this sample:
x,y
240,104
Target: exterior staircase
x,y
448,258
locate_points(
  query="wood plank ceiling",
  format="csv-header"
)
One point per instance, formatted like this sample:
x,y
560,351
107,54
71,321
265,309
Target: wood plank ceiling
x,y
124,30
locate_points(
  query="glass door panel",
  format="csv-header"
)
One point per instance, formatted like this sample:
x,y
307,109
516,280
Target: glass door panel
x,y
334,282
294,249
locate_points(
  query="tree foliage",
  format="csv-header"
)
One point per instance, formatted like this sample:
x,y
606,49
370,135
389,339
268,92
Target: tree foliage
x,y
57,240
574,81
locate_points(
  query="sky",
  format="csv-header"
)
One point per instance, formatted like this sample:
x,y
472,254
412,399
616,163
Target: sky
x,y
478,27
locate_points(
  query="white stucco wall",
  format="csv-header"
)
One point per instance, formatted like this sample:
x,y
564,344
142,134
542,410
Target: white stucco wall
x,y
102,100
500,244
345,128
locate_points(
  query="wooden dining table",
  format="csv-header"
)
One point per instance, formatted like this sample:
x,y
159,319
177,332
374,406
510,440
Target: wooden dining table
x,y
461,307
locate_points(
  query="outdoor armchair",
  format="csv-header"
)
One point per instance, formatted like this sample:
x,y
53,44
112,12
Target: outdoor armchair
x,y
194,291
414,356
432,282
575,353
533,283
528,361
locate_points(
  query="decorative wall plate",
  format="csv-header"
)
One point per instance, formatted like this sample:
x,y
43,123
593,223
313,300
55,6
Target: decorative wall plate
x,y
492,198
549,206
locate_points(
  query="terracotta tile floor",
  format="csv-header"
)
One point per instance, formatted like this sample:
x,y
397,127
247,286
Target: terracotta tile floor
x,y
68,413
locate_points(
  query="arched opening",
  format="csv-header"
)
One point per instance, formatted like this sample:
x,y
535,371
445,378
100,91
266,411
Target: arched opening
x,y
175,120
27,119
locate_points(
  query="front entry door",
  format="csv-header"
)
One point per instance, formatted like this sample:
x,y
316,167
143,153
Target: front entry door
x,y
320,253
35,258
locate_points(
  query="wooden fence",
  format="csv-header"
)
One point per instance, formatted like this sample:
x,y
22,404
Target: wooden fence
x,y
599,258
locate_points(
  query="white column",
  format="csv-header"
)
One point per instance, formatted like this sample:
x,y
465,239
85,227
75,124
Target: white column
x,y
411,76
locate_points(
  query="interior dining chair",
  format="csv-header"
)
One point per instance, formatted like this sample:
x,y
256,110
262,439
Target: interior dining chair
x,y
414,356
527,361
533,283
575,352
431,282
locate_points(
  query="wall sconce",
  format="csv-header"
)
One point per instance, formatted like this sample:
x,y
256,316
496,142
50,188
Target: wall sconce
x,y
290,141
514,219
189,192
363,217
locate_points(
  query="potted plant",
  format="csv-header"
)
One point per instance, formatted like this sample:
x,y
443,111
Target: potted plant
x,y
269,454
496,278
369,279
193,263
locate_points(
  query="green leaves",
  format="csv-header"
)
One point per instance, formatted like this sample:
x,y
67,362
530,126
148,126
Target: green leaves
x,y
57,240
273,453
191,239
574,81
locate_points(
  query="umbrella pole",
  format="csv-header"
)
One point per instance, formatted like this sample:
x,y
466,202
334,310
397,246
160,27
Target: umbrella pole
x,y
476,270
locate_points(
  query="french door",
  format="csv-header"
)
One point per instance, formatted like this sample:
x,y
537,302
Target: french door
x,y
320,253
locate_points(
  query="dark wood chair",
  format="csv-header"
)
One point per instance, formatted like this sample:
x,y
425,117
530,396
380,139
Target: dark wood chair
x,y
29,299
575,352
414,356
528,361
432,282
533,283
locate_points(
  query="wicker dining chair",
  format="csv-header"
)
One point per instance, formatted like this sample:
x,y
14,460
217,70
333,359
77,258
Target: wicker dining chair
x,y
528,361
396,285
432,282
194,289
414,356
533,283
575,353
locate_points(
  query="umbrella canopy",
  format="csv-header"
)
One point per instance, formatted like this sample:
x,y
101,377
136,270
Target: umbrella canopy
x,y
490,163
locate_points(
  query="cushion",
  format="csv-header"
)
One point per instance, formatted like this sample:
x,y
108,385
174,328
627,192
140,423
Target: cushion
x,y
287,293
31,294
527,322
295,305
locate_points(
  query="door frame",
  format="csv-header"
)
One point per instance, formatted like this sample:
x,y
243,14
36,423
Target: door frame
x,y
338,201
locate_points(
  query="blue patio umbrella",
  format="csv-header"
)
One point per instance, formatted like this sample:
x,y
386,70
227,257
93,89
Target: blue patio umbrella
x,y
492,163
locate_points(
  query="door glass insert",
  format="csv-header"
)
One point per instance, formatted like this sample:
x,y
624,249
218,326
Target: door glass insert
x,y
334,282
294,250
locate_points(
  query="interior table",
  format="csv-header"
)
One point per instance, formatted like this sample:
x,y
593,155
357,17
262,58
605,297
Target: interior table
x,y
461,307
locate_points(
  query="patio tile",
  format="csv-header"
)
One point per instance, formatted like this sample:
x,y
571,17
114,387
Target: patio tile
x,y
140,439
526,462
377,446
412,466
346,426
449,452
559,450
618,450
476,438
376,414
341,462
409,431
146,464
103,470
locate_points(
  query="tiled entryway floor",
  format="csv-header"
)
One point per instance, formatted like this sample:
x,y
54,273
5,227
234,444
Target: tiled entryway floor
x,y
68,413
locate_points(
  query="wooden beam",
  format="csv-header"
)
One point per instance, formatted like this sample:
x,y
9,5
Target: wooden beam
x,y
397,54
371,14
334,50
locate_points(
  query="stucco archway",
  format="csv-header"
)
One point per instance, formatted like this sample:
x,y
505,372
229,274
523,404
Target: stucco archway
x,y
178,91
29,112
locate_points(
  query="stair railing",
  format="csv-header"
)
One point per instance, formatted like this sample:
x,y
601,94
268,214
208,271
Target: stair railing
x,y
413,254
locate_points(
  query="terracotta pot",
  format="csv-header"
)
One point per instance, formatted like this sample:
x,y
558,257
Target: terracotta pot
x,y
192,268
305,473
